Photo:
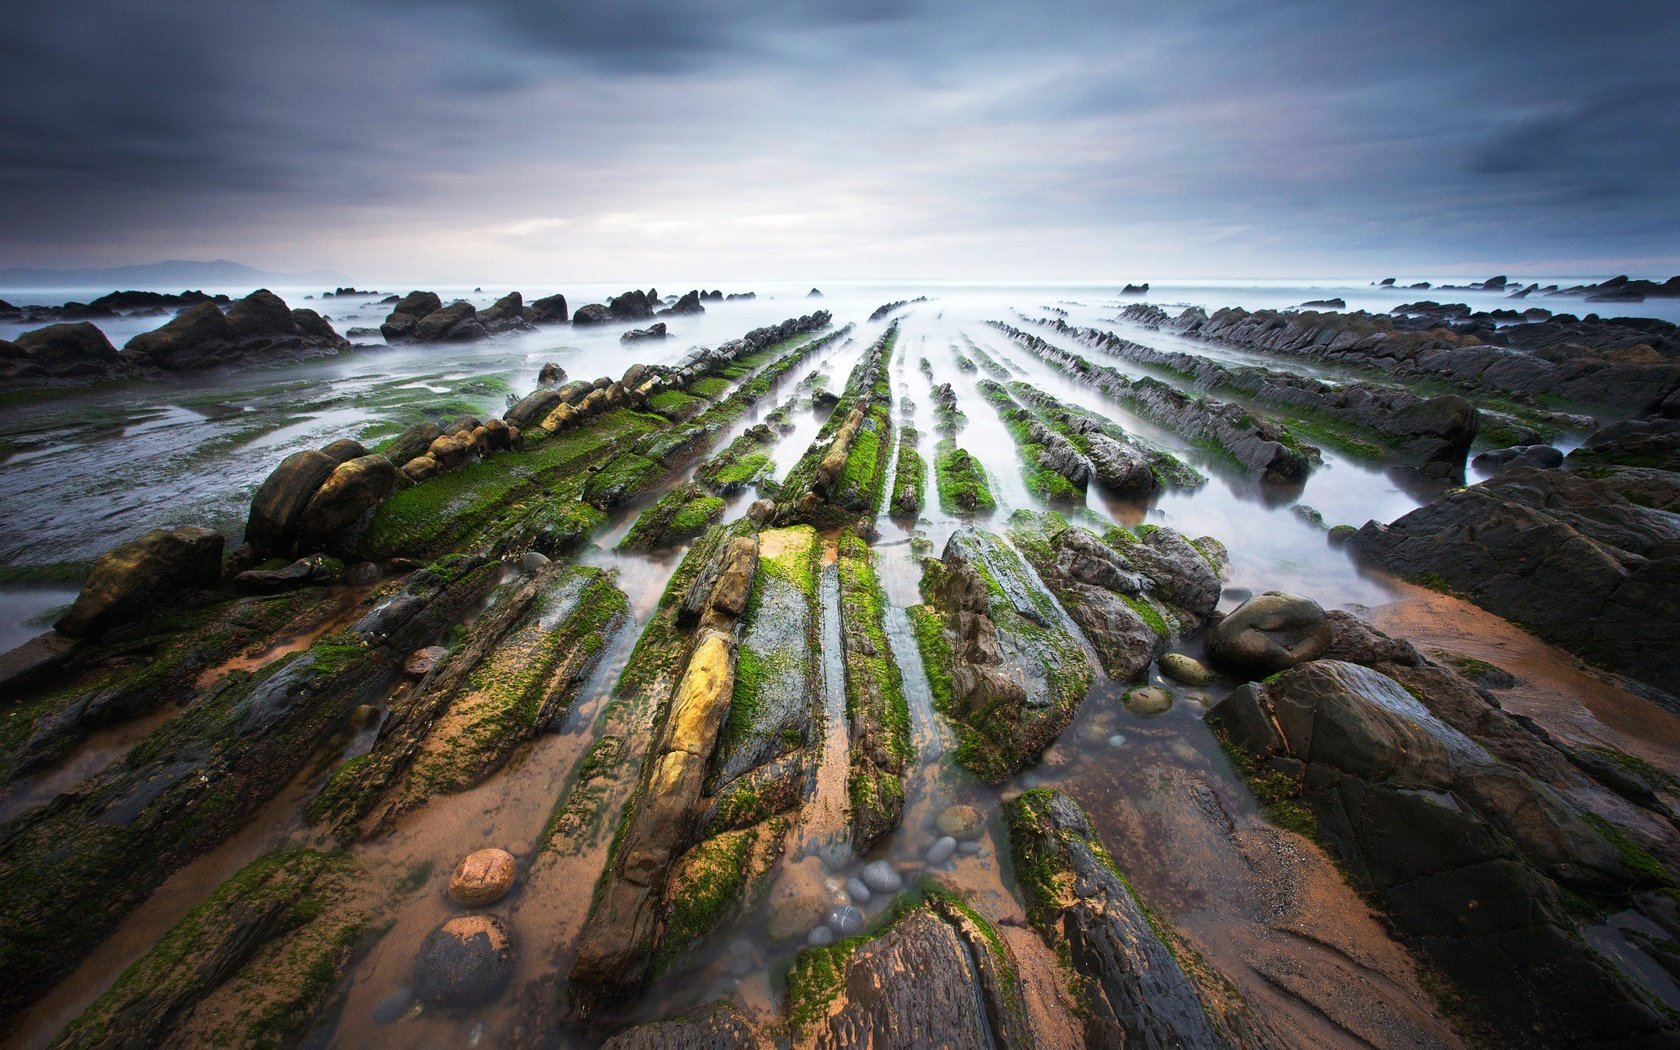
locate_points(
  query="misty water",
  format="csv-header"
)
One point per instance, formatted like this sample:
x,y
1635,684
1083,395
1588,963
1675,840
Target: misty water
x,y
83,470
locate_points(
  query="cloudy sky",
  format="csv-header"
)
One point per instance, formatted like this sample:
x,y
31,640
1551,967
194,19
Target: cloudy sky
x,y
504,140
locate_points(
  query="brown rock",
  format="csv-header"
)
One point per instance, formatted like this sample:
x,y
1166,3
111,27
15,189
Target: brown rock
x,y
339,511
277,509
136,576
483,877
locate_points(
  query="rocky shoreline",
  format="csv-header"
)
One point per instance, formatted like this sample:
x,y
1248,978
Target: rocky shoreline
x,y
803,757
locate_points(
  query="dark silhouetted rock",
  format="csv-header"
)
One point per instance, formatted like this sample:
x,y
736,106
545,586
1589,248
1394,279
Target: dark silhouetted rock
x,y
653,331
77,351
550,309
591,314
465,962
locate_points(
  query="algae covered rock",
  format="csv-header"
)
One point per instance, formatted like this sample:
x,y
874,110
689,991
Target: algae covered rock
x,y
134,577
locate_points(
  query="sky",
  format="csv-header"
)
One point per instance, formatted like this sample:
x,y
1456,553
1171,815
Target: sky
x,y
647,140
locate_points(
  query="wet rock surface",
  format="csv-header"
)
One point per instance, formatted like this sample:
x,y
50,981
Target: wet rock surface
x,y
133,578
1138,994
1565,555
1269,633
465,962
1453,844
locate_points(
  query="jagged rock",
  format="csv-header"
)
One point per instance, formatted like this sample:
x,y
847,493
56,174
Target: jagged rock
x,y
688,304
653,331
1136,991
933,979
1018,675
551,375
465,962
132,578
483,877
421,662
718,1026
257,326
814,293
1268,633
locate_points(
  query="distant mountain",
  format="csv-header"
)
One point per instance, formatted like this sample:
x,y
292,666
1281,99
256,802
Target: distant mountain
x,y
170,275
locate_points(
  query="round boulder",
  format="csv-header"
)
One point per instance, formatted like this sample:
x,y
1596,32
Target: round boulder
x,y
344,504
1150,700
963,822
483,877
277,508
130,579
1186,669
794,915
1270,632
465,962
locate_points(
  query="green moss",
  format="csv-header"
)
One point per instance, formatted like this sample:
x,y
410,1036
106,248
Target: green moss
x,y
937,657
1648,870
961,481
674,404
295,956
45,572
1149,615
710,387
713,878
1278,793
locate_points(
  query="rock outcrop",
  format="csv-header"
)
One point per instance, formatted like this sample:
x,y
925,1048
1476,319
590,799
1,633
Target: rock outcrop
x,y
76,352
1564,555
1129,594
257,328
1004,667
1533,353
1135,991
1468,856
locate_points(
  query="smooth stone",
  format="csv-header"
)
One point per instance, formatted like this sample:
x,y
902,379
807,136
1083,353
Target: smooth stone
x,y
882,877
531,561
421,661
941,851
821,937
365,716
963,822
1117,740
465,962
391,1008
971,849
1185,669
1150,700
483,877
791,916
845,920
858,891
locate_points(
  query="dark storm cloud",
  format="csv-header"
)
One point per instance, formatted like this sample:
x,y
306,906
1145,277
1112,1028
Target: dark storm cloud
x,y
1209,134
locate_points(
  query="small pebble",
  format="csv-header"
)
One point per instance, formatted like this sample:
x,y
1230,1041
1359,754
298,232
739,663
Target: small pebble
x,y
859,892
881,877
845,920
971,849
393,1006
941,851
531,561
821,937
1117,740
